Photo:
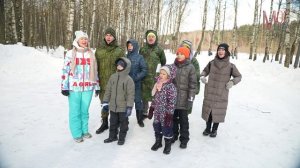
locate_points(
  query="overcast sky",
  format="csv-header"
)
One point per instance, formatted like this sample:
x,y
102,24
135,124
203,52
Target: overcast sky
x,y
194,14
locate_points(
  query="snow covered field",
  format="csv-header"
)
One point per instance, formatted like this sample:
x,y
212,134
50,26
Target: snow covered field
x,y
262,127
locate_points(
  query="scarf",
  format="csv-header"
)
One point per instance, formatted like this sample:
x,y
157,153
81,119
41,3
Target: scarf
x,y
93,63
158,85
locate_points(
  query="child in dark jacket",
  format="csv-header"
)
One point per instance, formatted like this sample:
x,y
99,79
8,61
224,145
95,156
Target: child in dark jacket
x,y
215,101
137,72
162,107
186,84
119,98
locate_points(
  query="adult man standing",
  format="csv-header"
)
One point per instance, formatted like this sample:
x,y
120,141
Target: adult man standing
x,y
106,56
153,55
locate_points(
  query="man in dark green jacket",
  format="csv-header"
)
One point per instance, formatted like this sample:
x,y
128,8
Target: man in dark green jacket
x,y
153,55
106,55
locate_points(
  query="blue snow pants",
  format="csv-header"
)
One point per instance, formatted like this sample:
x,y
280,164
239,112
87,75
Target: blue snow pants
x,y
79,103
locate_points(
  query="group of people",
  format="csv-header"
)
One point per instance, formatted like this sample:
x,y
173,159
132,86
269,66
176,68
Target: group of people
x,y
141,79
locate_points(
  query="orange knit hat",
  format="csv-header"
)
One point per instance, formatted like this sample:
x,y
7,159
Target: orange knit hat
x,y
183,50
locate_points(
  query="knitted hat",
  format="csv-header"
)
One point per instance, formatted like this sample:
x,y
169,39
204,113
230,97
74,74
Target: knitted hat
x,y
165,68
183,50
110,31
151,34
122,63
225,47
80,34
187,44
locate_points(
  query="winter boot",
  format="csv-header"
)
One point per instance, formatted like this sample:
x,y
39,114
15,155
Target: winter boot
x,y
103,127
139,117
174,139
167,148
157,144
109,140
183,145
206,132
213,133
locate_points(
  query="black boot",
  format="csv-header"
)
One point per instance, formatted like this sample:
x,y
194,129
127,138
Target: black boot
x,y
157,144
213,133
167,148
174,139
109,140
206,132
139,117
103,127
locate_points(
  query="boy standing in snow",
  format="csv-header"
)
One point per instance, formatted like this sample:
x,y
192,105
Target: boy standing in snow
x,y
79,79
119,97
162,107
188,44
185,82
137,72
215,101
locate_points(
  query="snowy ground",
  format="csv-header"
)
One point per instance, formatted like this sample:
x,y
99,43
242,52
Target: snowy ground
x,y
262,128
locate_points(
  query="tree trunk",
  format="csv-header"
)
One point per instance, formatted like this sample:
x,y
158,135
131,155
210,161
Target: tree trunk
x,y
234,45
268,34
257,32
287,35
253,29
13,23
280,34
203,29
2,21
93,25
213,31
224,14
70,25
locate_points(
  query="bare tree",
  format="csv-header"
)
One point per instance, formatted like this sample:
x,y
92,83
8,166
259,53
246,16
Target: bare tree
x,y
257,33
70,24
234,45
287,35
203,28
214,29
281,34
2,21
224,14
268,34
254,31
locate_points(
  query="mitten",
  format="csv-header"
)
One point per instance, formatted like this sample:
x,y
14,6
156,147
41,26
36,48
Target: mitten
x,y
229,85
190,105
128,111
105,107
65,92
168,119
97,92
203,79
150,112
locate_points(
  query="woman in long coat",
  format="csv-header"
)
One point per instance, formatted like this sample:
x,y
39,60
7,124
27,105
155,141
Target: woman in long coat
x,y
222,76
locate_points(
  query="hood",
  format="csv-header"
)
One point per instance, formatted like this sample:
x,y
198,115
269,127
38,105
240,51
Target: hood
x,y
128,65
173,70
151,31
135,46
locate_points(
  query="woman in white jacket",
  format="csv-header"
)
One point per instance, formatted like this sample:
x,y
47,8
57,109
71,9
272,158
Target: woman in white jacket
x,y
79,80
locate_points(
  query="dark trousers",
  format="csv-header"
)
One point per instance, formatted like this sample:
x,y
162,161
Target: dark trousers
x,y
118,120
181,125
208,124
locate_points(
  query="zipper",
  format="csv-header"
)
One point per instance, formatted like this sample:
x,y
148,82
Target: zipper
x,y
83,71
116,92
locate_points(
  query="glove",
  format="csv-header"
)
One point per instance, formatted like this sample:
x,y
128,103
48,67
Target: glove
x,y
229,85
105,107
203,79
128,111
65,92
97,92
150,112
190,105
168,119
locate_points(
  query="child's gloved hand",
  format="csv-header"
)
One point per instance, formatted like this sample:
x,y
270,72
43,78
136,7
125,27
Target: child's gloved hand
x,y
229,85
105,107
128,111
97,92
65,92
150,112
203,79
